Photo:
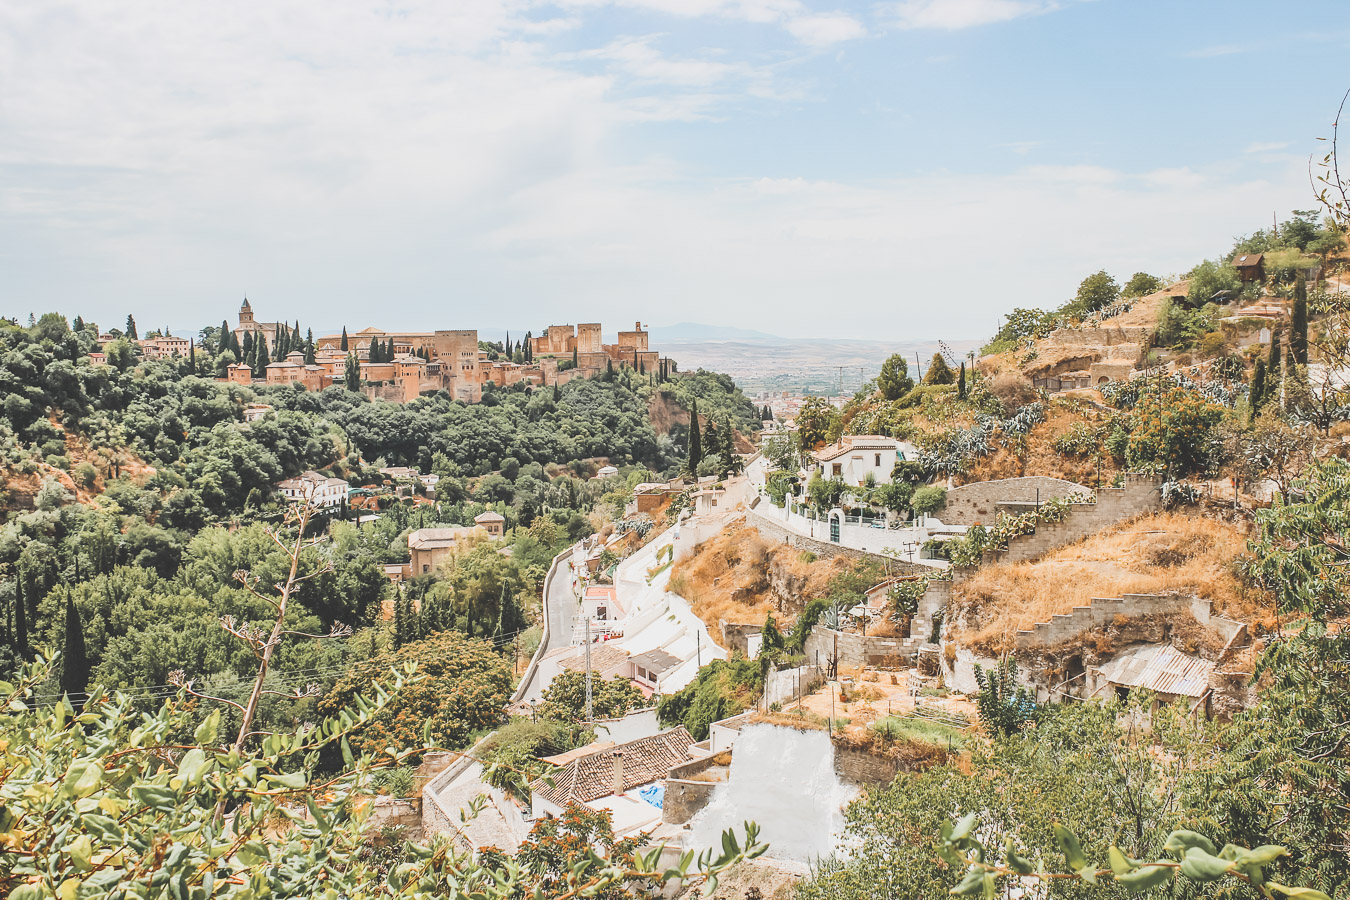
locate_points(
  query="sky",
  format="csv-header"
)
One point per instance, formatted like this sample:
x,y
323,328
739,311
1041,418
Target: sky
x,y
893,170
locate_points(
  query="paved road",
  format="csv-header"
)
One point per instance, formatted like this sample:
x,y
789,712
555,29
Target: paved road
x,y
561,606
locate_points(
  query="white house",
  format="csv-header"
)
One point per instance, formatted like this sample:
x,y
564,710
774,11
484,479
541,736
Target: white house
x,y
321,492
858,455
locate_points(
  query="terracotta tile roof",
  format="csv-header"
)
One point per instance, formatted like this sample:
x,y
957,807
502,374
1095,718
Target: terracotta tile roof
x,y
604,656
855,442
1247,259
592,776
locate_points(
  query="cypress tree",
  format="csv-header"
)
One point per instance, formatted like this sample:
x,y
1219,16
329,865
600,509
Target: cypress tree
x,y
961,383
1298,324
728,440
695,441
309,349
1258,387
247,354
131,328
1273,366
574,357
224,342
75,661
343,346
400,619
351,378
20,620
609,369
192,355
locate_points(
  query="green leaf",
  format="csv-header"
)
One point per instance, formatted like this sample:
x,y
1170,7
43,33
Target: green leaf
x,y
1145,878
83,779
1299,893
1068,844
971,884
156,797
193,766
1016,861
105,829
1120,863
1261,856
208,730
253,853
293,780
81,852
1180,841
1198,865
963,827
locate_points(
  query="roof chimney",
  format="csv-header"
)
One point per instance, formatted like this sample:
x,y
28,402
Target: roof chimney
x,y
618,773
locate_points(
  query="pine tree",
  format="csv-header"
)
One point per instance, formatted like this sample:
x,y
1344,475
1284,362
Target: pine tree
x,y
77,324
695,441
961,383
131,328
343,345
74,660
1298,322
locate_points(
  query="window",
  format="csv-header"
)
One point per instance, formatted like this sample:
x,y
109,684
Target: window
x,y
837,469
601,612
426,568
878,462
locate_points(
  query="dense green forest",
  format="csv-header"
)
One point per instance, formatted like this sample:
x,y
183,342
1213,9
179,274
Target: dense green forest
x,y
134,493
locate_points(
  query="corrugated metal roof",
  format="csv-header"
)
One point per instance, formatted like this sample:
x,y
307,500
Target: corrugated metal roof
x,y
1161,668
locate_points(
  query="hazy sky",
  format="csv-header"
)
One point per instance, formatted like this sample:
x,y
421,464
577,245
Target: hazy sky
x,y
903,169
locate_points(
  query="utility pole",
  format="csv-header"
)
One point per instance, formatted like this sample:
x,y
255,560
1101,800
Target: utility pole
x,y
588,668
698,644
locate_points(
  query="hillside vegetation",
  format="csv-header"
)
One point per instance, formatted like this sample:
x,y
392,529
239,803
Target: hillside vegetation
x,y
1165,553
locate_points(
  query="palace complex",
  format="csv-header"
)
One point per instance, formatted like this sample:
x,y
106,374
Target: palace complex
x,y
446,360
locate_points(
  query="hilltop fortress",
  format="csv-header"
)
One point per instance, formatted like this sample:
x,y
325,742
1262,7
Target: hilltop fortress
x,y
446,360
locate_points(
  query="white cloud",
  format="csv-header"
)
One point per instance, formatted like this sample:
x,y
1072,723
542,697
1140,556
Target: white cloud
x,y
814,29
825,29
441,167
951,15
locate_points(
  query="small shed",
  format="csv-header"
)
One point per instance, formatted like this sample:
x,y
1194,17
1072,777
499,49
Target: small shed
x,y
1250,266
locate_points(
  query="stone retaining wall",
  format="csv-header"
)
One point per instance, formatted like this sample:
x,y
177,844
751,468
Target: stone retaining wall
x,y
862,768
1108,610
980,500
855,651
1141,494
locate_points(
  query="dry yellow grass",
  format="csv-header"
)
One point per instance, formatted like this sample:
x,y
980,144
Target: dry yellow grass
x,y
740,577
1162,553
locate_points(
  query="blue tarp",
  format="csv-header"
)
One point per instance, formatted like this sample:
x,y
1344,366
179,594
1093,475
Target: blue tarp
x,y
655,794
